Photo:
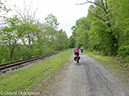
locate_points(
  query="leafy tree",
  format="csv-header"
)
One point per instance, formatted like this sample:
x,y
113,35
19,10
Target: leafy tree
x,y
3,52
11,34
71,42
52,22
52,25
28,15
81,31
120,21
101,11
61,40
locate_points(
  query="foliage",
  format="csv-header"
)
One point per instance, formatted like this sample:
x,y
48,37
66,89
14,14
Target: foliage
x,y
105,28
21,39
80,33
52,21
71,42
10,34
61,40
121,17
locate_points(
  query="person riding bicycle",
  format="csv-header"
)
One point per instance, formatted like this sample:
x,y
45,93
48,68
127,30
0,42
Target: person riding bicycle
x,y
76,52
81,49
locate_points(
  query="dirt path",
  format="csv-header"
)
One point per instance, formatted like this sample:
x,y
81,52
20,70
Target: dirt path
x,y
86,79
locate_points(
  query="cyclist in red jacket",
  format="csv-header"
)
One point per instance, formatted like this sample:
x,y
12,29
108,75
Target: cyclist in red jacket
x,y
76,52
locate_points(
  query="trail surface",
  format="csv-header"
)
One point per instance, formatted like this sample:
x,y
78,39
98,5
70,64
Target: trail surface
x,y
89,78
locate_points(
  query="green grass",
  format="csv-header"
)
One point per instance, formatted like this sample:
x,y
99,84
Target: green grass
x,y
25,79
112,64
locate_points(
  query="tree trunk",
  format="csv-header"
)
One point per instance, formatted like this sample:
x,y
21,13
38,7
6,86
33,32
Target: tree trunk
x,y
11,53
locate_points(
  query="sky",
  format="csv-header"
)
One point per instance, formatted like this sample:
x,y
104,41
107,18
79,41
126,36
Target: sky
x,y
66,11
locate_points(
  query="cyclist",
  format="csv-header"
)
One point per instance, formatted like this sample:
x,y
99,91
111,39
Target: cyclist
x,y
81,49
76,52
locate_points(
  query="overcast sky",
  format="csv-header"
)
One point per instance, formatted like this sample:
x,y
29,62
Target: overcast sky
x,y
66,11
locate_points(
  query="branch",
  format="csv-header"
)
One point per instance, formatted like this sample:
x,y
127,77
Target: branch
x,y
24,12
19,14
92,3
104,7
102,3
98,17
2,23
106,4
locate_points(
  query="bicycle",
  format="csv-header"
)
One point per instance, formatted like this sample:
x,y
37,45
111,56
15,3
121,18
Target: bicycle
x,y
76,58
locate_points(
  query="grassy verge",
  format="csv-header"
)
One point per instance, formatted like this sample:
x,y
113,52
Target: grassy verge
x,y
25,79
112,64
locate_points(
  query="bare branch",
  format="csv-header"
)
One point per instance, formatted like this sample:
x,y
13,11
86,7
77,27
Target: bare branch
x,y
24,14
82,3
19,14
2,23
92,3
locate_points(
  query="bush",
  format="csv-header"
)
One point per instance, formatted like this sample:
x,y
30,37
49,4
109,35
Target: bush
x,y
124,51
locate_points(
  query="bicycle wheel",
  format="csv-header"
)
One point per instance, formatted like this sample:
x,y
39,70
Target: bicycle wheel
x,y
77,60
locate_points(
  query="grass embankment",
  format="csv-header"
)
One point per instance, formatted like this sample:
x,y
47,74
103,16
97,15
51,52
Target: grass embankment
x,y
117,67
25,79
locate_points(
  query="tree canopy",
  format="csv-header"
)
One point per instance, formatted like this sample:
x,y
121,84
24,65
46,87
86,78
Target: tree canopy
x,y
23,36
105,28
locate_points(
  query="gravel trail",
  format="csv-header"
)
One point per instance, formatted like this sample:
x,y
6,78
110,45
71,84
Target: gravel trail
x,y
89,78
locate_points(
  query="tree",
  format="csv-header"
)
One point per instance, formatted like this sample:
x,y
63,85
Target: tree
x,y
51,25
11,34
24,36
28,16
61,40
3,10
71,42
52,22
120,20
80,32
101,11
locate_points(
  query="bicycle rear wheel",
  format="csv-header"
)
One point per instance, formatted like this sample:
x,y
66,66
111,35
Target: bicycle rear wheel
x,y
77,60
